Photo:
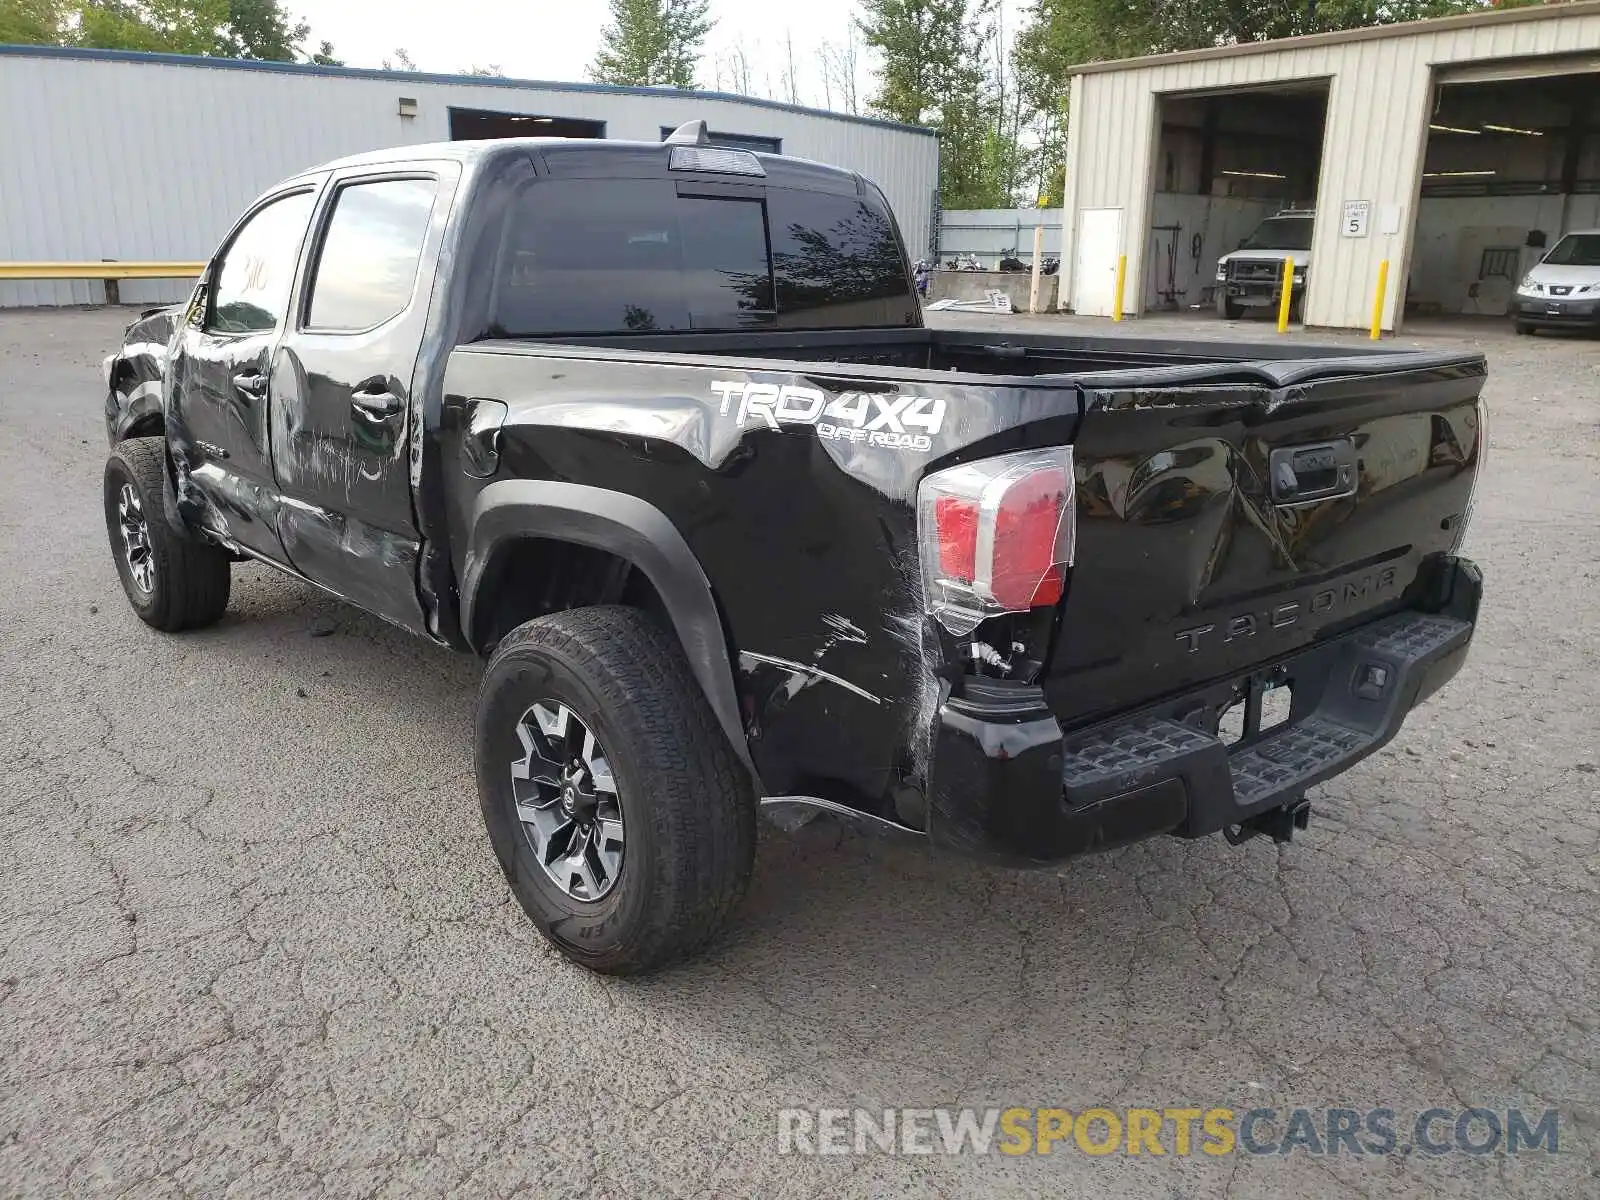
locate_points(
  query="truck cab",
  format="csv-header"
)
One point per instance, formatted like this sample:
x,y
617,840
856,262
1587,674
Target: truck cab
x,y
1252,276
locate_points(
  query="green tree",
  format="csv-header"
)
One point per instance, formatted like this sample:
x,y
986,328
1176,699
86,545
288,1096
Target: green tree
x,y
174,26
652,43
1061,33
935,57
259,29
325,57
32,22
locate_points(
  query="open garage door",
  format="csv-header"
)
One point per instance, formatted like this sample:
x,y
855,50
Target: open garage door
x,y
1513,163
473,124
1228,164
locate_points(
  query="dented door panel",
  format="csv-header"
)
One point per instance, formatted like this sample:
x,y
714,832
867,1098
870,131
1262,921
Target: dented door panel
x,y
220,373
342,416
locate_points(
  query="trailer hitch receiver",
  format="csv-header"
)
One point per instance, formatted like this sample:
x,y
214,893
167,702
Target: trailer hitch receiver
x,y
1279,824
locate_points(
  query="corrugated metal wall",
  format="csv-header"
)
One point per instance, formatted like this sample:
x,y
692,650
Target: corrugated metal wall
x,y
110,158
993,233
1376,135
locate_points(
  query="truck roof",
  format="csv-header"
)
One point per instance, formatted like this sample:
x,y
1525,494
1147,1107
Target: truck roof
x,y
591,158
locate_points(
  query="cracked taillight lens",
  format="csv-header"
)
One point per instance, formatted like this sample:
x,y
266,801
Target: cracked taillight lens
x,y
996,536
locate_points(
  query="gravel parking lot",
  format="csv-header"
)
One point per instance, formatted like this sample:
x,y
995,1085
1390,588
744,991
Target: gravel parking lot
x,y
253,941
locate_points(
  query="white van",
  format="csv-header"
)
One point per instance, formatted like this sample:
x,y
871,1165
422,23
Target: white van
x,y
1563,289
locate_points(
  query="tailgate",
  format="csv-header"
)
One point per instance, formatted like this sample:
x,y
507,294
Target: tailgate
x,y
1227,520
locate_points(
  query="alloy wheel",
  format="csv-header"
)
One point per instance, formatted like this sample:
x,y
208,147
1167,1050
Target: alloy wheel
x,y
567,802
135,531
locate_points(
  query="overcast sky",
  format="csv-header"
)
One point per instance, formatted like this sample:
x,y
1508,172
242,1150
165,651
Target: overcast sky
x,y
557,39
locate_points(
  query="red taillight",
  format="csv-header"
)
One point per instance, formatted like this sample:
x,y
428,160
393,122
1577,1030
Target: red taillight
x,y
996,535
957,528
1026,530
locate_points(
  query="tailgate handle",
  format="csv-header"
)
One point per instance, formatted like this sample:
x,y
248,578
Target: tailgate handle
x,y
1307,474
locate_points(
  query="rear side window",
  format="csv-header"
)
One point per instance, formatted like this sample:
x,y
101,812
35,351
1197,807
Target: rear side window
x,y
367,268
636,256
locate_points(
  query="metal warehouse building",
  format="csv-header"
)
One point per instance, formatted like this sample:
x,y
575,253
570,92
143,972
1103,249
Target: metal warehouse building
x,y
151,157
1453,149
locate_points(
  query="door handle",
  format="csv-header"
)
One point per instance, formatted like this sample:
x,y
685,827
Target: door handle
x,y
251,383
375,402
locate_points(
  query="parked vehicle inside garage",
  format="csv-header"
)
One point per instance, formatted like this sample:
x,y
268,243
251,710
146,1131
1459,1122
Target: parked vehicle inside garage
x,y
1252,276
658,431
1562,291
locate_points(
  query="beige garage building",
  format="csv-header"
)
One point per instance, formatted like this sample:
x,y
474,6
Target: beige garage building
x,y
1453,149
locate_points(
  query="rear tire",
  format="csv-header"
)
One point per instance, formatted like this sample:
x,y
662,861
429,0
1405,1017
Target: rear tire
x,y
667,848
173,582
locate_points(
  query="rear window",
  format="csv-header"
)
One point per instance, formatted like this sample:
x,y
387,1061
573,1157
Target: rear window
x,y
838,262
585,257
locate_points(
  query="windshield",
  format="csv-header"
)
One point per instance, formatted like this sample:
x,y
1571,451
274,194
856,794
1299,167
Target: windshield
x,y
1576,250
1281,233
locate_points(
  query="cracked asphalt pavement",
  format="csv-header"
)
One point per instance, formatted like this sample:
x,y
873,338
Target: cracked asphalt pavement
x,y
253,941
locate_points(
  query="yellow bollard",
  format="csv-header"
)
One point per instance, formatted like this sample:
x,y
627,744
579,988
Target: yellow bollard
x,y
1377,303
1122,283
1288,295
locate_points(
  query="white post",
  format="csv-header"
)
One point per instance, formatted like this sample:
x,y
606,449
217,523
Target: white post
x,y
1038,262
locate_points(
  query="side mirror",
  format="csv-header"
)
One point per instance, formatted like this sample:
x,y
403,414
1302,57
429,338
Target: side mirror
x,y
1242,243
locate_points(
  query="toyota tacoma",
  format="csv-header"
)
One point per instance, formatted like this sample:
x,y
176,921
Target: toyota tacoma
x,y
657,430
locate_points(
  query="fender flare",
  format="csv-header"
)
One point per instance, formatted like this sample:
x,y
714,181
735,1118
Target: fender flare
x,y
633,530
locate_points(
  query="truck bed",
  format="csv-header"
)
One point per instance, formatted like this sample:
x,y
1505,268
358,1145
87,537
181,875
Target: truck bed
x,y
985,353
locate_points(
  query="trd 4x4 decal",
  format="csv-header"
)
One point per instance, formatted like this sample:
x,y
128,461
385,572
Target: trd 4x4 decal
x,y
892,422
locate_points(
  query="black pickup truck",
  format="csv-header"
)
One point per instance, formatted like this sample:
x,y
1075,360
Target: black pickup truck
x,y
657,430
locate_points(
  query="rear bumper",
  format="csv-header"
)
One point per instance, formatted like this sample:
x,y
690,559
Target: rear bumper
x,y
1009,787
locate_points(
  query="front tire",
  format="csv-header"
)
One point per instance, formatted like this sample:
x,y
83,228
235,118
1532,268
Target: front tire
x,y
1524,328
173,582
621,816
1228,310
